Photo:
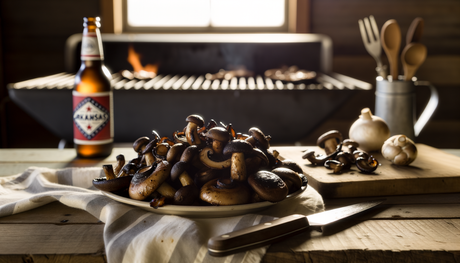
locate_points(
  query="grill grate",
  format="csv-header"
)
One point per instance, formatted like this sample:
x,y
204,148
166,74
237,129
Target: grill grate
x,y
333,81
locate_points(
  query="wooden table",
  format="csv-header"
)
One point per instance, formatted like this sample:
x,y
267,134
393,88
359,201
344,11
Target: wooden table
x,y
412,228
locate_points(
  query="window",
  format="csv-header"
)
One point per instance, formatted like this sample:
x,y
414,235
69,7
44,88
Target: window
x,y
202,15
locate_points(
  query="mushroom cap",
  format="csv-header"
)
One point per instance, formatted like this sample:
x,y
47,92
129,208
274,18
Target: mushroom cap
x,y
333,134
287,163
238,145
260,137
113,185
348,142
189,153
268,186
186,195
146,180
215,193
177,169
149,146
197,119
140,142
290,177
219,134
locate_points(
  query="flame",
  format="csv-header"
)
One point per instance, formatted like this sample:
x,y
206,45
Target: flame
x,y
134,59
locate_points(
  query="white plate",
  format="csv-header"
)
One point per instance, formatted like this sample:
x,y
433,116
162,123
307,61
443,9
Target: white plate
x,y
202,211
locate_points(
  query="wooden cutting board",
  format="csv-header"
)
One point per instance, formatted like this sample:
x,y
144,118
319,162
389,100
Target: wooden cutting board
x,y
434,171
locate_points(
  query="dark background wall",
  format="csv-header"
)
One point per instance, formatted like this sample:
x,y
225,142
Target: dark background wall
x,y
33,34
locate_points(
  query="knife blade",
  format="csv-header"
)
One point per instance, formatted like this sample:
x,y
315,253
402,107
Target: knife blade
x,y
278,229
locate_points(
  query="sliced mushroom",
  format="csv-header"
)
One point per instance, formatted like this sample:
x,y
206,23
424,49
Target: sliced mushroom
x,y
329,141
367,165
335,165
320,159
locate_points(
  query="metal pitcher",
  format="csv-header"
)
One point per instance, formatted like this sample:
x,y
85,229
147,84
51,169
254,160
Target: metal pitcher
x,y
395,103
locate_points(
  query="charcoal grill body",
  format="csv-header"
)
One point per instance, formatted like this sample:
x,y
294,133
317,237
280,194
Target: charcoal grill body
x,y
286,111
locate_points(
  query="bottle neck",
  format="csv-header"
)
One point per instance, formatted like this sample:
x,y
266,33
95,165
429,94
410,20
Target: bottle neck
x,y
91,45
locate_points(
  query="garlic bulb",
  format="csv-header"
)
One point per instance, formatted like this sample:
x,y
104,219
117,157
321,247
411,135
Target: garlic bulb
x,y
399,150
369,131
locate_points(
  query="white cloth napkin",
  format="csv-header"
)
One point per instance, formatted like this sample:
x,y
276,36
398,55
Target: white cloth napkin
x,y
132,234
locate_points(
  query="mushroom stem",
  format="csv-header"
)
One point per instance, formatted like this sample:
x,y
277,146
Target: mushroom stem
x,y
120,163
204,157
238,167
108,171
217,146
166,190
330,146
191,133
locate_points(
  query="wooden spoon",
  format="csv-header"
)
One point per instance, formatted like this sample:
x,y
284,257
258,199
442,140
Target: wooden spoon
x,y
391,43
415,31
412,57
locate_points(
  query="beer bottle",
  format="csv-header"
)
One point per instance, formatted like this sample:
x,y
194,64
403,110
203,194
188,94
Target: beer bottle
x,y
92,97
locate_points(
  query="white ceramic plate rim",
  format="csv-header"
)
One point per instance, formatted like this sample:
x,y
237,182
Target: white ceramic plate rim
x,y
207,211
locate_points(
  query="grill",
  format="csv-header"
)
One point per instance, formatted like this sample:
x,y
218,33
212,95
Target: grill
x,y
287,110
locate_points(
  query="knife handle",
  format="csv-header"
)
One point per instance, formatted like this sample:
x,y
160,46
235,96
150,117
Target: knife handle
x,y
258,235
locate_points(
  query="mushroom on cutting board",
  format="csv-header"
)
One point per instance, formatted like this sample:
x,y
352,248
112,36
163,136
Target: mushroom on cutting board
x,y
399,150
329,141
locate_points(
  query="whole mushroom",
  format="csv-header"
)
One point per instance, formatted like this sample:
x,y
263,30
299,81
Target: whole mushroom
x,y
399,150
219,137
225,192
191,131
329,141
238,149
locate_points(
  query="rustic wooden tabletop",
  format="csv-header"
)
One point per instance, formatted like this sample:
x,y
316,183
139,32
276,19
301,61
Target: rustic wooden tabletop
x,y
416,228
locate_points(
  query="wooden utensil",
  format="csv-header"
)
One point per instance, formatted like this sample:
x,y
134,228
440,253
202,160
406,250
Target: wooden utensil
x,y
391,43
413,55
415,31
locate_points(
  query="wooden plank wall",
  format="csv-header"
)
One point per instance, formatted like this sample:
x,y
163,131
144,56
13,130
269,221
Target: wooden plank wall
x,y
33,33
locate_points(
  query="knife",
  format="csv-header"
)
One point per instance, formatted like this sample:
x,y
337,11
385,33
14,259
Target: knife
x,y
269,232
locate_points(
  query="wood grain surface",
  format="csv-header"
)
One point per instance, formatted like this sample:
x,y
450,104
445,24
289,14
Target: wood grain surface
x,y
434,171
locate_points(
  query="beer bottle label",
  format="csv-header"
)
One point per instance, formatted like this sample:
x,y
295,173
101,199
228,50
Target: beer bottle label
x,y
92,119
91,48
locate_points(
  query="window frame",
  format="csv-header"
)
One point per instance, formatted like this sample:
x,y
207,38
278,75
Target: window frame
x,y
297,13
209,29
